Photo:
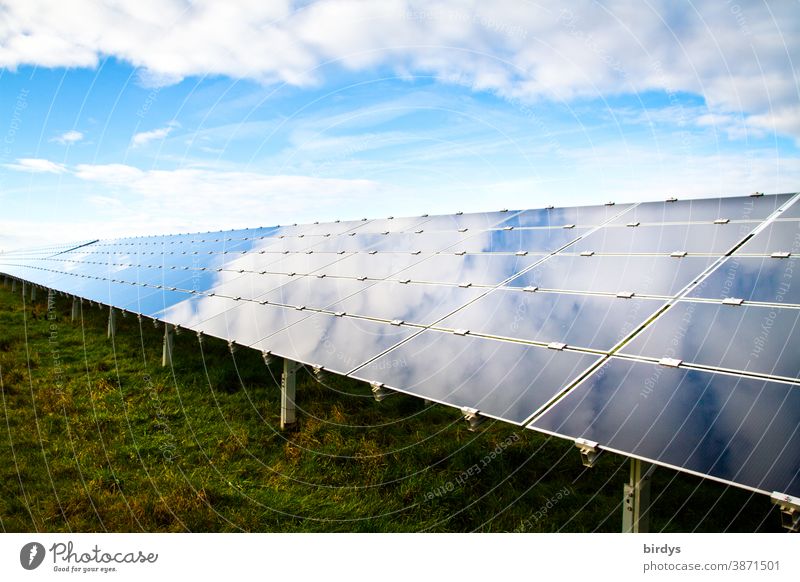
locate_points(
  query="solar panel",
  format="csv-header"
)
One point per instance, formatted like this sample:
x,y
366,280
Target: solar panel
x,y
559,217
244,323
642,275
777,237
738,430
764,279
477,269
372,266
705,210
413,304
665,331
472,221
337,344
747,338
665,238
588,321
539,240
503,380
313,292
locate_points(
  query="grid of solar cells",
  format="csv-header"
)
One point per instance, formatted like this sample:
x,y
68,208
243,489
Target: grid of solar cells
x,y
711,384
731,428
504,312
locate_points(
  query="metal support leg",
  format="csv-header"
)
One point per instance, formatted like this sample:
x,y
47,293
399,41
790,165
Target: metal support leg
x,y
75,308
169,338
13,285
288,388
112,322
636,498
33,293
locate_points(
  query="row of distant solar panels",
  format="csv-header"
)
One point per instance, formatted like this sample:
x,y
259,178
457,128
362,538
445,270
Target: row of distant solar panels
x,y
569,270
706,210
721,210
260,252
705,239
465,364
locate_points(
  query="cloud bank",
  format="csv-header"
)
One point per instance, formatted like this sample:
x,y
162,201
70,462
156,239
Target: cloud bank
x,y
742,58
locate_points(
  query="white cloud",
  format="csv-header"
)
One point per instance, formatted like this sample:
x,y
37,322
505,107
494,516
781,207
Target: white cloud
x,y
208,195
37,165
740,57
125,200
108,173
68,137
145,137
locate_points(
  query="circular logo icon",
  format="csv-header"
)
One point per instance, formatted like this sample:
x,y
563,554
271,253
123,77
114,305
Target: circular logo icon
x,y
31,555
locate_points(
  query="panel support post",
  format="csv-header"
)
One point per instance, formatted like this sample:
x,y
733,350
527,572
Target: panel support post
x,y
13,285
33,293
75,308
288,389
112,322
169,338
636,498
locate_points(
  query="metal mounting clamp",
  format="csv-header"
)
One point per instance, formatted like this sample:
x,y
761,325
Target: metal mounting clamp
x,y
473,417
790,510
732,301
589,450
670,362
379,391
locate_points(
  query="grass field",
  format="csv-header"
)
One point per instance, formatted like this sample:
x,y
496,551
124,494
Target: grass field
x,y
96,436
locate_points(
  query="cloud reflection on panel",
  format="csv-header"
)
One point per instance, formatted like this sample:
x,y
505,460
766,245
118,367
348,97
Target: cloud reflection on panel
x,y
462,269
339,344
244,322
578,320
780,236
232,282
374,266
236,311
733,428
705,210
354,241
665,238
471,221
764,279
555,217
411,303
612,274
24,271
749,337
542,240
503,380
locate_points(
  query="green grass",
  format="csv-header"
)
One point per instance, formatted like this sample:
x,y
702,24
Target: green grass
x,y
95,435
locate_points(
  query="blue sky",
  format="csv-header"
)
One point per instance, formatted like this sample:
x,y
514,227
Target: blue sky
x,y
173,116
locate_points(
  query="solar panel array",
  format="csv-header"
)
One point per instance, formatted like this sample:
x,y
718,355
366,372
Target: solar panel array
x,y
666,331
